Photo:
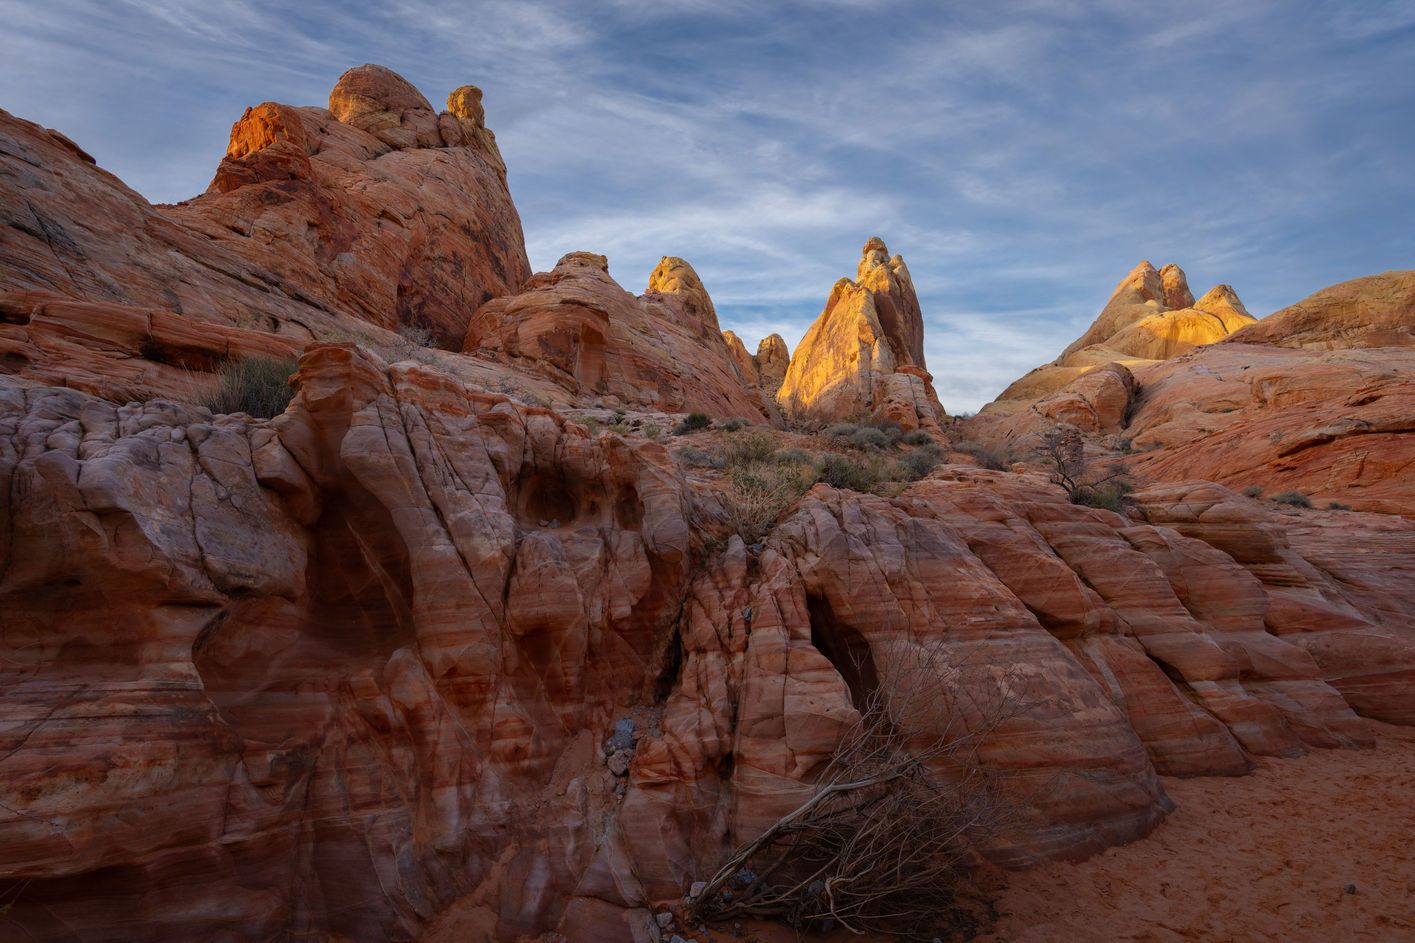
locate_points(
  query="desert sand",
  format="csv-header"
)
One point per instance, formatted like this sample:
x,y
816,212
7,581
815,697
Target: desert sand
x,y
1262,857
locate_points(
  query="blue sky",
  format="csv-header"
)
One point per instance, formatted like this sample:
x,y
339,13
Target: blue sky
x,y
1022,156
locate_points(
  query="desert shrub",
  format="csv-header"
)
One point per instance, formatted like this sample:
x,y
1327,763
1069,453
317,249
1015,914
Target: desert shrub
x,y
759,493
883,841
841,471
1253,491
867,438
793,457
1110,495
918,463
1294,499
842,430
747,448
697,458
1338,506
258,386
916,437
1063,452
985,456
732,424
693,422
651,431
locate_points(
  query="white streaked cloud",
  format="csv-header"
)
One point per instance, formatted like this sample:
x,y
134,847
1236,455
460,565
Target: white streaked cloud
x,y
1022,155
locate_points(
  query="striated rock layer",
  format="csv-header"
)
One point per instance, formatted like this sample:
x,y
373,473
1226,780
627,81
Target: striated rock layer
x,y
663,350
864,356
353,673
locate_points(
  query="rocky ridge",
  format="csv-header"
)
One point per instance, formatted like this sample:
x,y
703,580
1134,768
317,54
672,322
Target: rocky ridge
x,y
419,658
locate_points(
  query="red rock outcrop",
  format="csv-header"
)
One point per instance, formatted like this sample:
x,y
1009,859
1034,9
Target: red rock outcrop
x,y
1375,311
415,659
864,355
1150,316
350,669
1336,425
662,350
766,369
311,225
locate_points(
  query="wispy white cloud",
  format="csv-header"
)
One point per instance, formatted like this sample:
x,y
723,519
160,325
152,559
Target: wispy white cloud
x,y
1022,155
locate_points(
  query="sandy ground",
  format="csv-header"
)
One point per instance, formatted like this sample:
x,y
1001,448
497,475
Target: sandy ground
x,y
1263,857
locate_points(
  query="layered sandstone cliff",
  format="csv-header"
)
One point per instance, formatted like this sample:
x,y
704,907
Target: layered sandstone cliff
x,y
662,350
417,658
864,355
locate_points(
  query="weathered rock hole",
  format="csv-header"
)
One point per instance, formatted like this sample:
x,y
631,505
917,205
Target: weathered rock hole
x,y
845,648
547,496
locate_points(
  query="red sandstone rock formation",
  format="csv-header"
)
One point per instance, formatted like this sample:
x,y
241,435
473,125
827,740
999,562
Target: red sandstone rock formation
x,y
417,659
864,355
662,350
1150,316
311,226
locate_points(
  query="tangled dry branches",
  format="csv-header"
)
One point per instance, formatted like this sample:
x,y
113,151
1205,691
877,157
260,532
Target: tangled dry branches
x,y
882,841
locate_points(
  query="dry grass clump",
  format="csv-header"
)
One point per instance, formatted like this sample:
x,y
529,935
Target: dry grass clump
x,y
883,841
1294,499
257,386
985,457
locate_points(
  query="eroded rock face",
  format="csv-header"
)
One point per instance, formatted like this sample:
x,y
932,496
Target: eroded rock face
x,y
315,221
1337,425
412,657
863,356
662,350
1151,316
1375,311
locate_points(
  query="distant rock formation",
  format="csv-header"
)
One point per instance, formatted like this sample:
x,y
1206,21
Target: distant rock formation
x,y
1318,397
1139,323
662,350
316,222
766,369
864,355
1375,311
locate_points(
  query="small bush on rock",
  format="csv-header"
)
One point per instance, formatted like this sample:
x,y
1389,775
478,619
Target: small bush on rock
x,y
867,438
258,386
1294,499
916,437
1253,491
918,463
748,448
1338,506
842,430
733,424
693,422
793,457
697,458
840,471
985,456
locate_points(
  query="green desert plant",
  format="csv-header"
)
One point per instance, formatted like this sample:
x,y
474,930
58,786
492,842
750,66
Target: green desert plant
x,y
258,386
731,424
697,458
693,422
748,448
1253,491
793,457
851,474
1338,506
758,494
918,463
1294,499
